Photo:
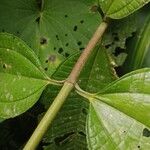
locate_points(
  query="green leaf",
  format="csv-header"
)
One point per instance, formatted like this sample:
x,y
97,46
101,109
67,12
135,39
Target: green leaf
x,y
22,79
68,129
71,141
108,128
98,71
10,41
130,94
139,46
118,9
119,115
54,29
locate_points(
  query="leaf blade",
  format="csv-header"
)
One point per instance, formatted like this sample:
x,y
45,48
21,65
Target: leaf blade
x,y
132,91
121,113
22,79
54,35
113,129
118,9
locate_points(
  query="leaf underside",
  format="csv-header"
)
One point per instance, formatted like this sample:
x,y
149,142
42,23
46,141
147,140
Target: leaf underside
x,y
54,29
110,129
119,115
22,79
118,9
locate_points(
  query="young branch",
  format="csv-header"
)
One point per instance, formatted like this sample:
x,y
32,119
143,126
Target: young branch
x,y
86,53
66,89
48,117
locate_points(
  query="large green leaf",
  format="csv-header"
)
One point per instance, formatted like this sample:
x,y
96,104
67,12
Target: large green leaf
x,y
119,115
54,29
117,9
68,129
22,79
139,46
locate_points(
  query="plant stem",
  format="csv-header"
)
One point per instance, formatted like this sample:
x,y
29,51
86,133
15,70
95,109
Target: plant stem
x,y
86,53
48,117
64,92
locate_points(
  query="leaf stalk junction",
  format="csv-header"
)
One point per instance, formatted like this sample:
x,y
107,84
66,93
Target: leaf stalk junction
x,y
69,84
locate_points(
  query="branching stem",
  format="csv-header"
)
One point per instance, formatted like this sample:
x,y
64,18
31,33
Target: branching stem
x,y
64,92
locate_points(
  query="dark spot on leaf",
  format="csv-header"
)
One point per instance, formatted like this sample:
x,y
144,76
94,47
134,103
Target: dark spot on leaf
x,y
38,20
124,131
84,111
81,48
4,66
67,44
75,28
57,37
3,30
46,69
46,61
94,8
52,58
66,16
17,32
63,139
60,50
66,34
54,48
43,41
79,43
139,146
146,132
66,55
82,21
